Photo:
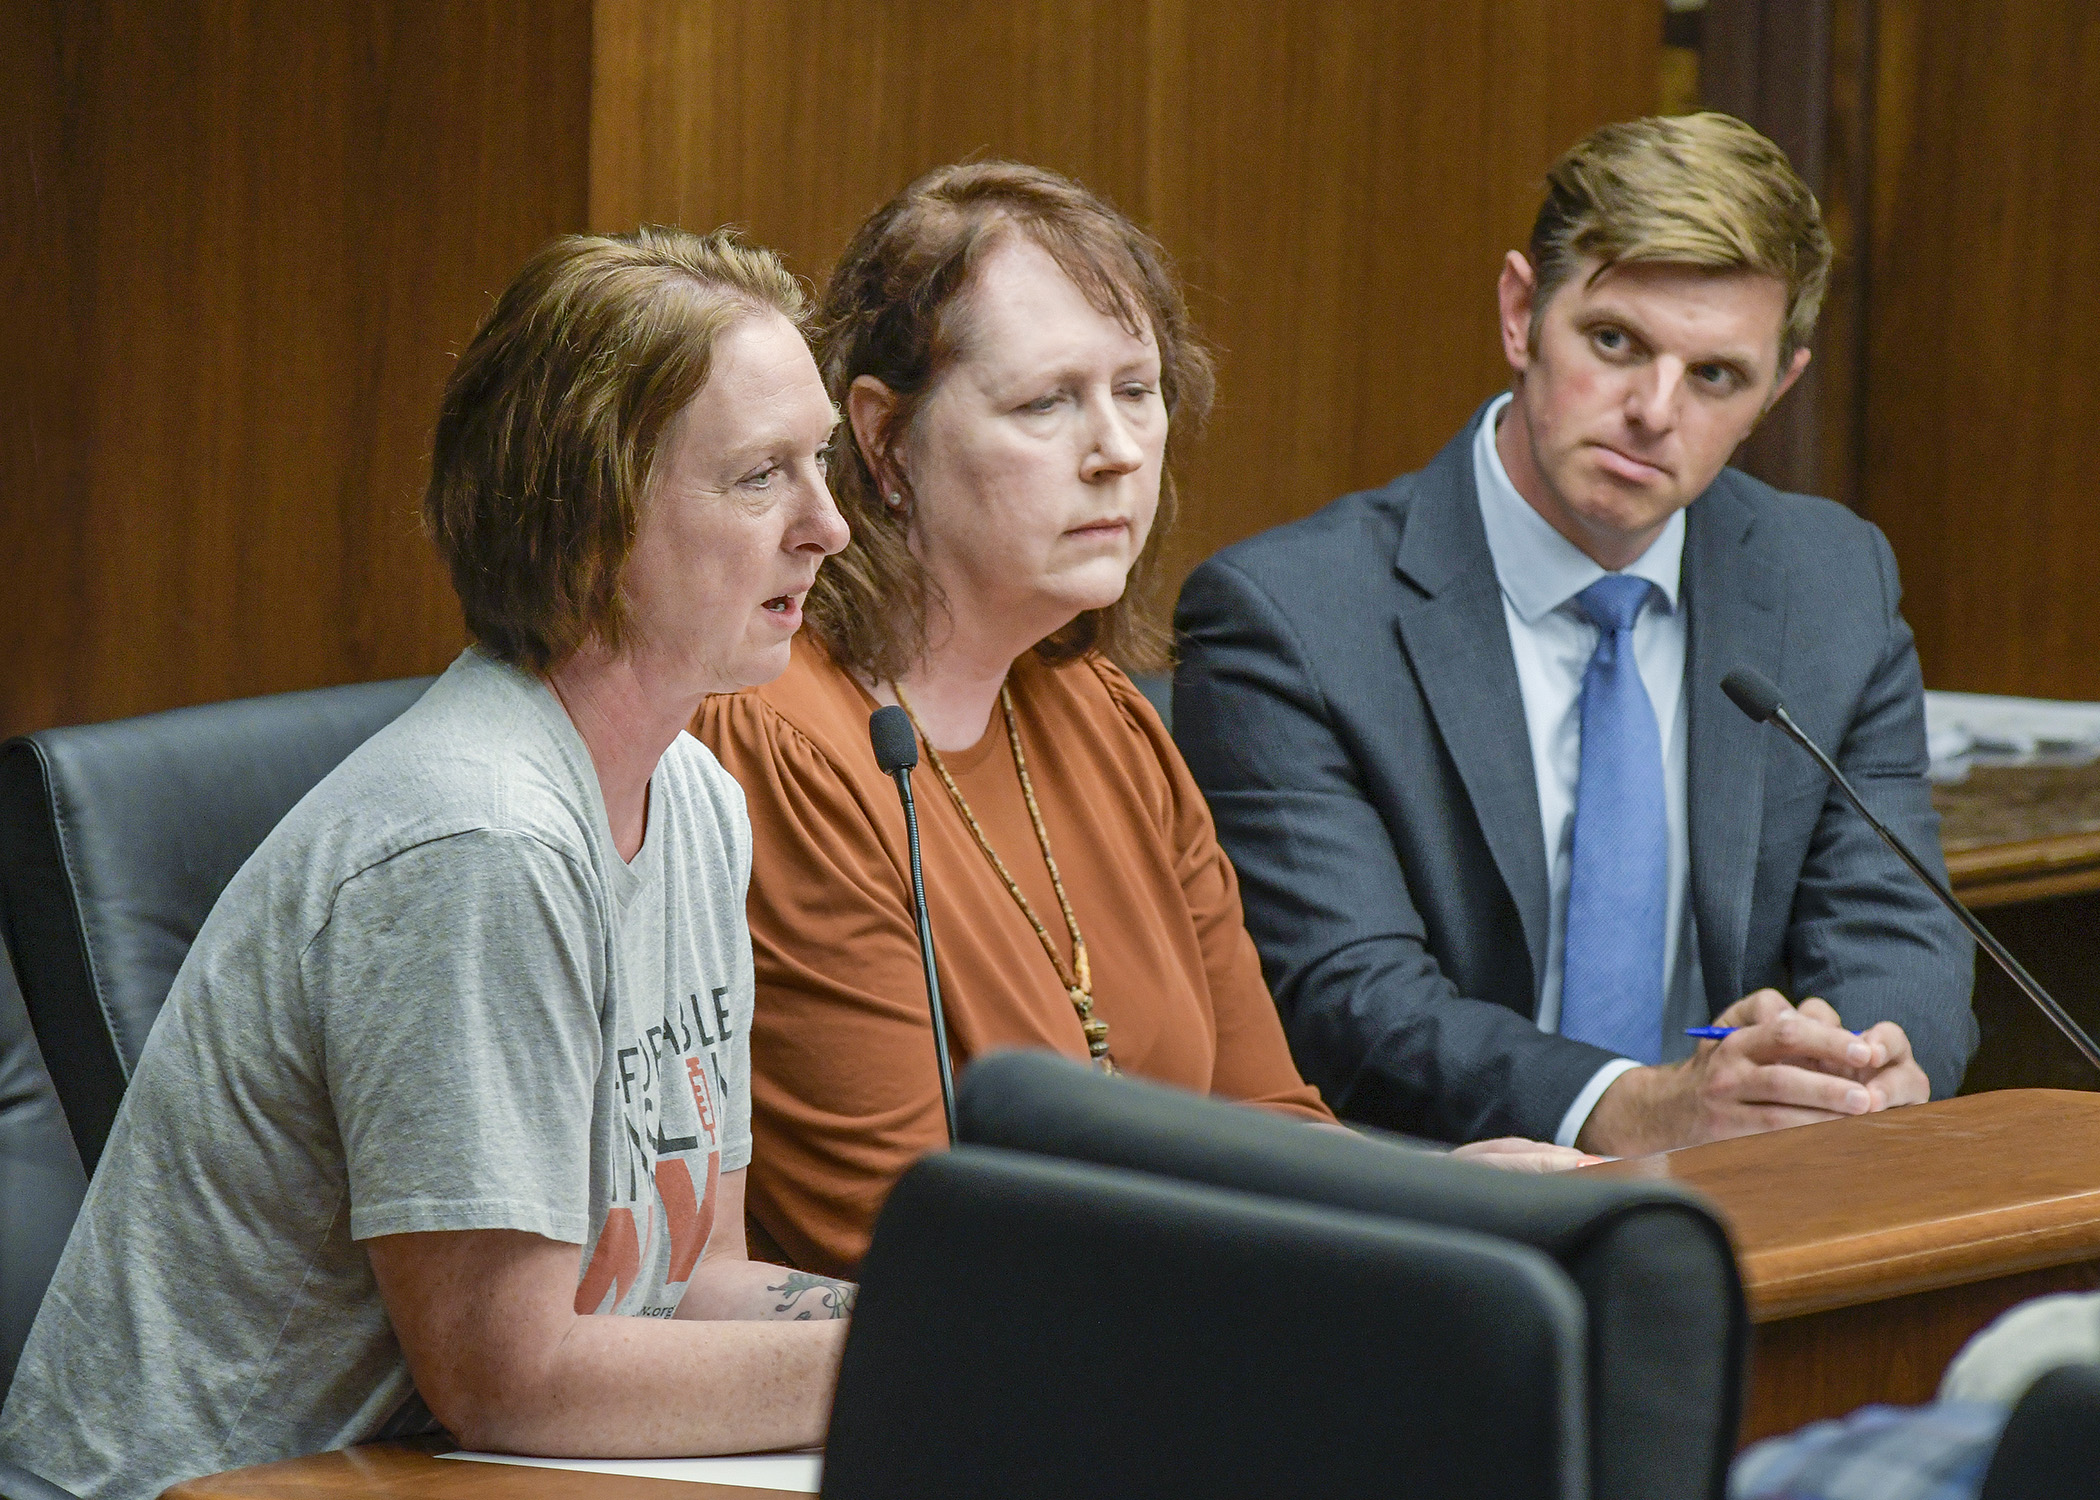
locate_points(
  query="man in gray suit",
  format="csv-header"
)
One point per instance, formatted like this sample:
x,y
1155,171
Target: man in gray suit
x,y
1500,836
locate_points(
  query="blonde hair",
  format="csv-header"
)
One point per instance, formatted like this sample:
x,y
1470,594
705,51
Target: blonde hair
x,y
1699,190
895,310
549,426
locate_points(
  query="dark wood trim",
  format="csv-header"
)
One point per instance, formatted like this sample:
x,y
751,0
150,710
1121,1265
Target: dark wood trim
x,y
1847,195
1768,62
1801,71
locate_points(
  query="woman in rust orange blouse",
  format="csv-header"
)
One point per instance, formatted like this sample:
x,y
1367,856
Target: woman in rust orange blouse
x,y
1015,364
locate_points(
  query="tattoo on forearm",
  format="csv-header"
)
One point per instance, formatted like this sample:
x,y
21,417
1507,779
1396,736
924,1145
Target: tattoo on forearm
x,y
834,1299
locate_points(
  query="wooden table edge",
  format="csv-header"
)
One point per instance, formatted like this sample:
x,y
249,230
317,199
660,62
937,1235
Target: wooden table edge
x,y
1778,1294
414,1469
1844,1267
2030,869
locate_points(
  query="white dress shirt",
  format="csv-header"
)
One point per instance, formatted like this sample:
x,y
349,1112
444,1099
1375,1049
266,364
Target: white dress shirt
x,y
1541,572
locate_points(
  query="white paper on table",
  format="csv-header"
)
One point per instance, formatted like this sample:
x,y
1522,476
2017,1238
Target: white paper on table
x,y
802,1473
2018,726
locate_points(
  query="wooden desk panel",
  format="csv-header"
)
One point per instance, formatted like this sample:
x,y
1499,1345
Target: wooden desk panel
x,y
411,1471
1825,1364
1872,1248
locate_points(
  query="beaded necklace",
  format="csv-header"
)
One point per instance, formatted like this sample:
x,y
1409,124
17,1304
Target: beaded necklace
x,y
1078,979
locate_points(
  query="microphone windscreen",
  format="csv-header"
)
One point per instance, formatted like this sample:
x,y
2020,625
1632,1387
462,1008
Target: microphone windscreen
x,y
896,744
1752,693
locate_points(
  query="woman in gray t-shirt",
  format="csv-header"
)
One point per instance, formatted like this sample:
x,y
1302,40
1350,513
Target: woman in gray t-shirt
x,y
458,1066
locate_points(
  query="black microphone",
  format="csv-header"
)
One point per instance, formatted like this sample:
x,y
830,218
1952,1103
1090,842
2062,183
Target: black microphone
x,y
897,751
1756,696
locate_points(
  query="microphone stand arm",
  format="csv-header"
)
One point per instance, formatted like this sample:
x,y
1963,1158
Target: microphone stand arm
x,y
933,982
1997,950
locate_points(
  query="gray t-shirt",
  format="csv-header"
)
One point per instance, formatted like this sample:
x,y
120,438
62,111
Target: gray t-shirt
x,y
434,999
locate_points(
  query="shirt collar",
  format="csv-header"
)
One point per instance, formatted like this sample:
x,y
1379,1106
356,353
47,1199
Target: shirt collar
x,y
1538,568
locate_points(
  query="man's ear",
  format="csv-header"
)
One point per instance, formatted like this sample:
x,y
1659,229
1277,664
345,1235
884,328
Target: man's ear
x,y
1514,292
869,406
1786,381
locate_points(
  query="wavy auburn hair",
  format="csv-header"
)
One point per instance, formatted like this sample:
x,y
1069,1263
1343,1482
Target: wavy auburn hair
x,y
896,309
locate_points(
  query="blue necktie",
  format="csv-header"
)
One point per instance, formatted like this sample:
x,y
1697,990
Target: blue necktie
x,y
1611,979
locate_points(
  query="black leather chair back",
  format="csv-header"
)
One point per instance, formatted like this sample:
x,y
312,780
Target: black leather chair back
x,y
1034,1328
2050,1448
115,840
1668,1328
41,1183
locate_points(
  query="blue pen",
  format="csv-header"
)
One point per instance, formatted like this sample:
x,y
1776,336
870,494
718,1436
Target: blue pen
x,y
1713,1033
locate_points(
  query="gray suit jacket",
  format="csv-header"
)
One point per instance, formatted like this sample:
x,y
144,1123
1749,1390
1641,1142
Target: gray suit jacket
x,y
1348,701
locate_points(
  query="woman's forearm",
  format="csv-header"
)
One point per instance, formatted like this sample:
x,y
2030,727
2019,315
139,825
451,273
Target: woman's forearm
x,y
756,1289
487,1320
649,1388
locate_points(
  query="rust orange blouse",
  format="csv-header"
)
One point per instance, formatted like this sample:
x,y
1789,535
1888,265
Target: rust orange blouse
x,y
843,1089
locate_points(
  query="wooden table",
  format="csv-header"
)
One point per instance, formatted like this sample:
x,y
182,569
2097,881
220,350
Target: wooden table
x,y
2021,833
1872,1248
412,1471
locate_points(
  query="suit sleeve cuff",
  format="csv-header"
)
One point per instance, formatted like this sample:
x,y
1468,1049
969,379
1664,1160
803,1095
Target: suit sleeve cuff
x,y
1578,1114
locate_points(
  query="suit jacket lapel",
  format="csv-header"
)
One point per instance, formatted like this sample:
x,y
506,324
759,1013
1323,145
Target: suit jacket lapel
x,y
1735,617
1452,628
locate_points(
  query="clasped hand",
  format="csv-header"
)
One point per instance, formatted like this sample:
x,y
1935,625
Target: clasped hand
x,y
1784,1065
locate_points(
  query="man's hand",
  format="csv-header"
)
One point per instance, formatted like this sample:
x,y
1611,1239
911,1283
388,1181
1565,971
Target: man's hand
x,y
1890,1073
1512,1153
1783,1066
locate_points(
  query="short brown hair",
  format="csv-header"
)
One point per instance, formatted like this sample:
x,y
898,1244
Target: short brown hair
x,y
1699,190
892,311
550,423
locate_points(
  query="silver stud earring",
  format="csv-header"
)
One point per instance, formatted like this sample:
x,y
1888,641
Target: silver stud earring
x,y
895,499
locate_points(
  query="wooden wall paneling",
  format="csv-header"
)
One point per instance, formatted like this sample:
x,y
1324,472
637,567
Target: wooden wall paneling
x,y
39,449
1303,229
480,154
278,222
254,234
1337,182
1345,221
795,120
1983,378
